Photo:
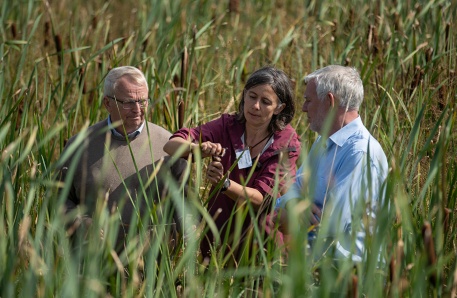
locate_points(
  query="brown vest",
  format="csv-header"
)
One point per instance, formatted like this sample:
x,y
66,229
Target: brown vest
x,y
114,169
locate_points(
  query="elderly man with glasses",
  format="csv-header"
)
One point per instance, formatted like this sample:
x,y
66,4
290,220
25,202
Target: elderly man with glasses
x,y
111,166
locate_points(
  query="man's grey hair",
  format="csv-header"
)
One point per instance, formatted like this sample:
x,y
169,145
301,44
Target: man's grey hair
x,y
343,82
115,74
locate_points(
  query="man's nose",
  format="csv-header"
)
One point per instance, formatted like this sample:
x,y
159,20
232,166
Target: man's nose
x,y
305,107
136,106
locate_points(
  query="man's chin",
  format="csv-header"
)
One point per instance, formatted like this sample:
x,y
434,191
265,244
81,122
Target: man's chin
x,y
136,122
134,126
313,128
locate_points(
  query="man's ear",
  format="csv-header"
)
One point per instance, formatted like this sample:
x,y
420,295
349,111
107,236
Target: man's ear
x,y
331,99
106,102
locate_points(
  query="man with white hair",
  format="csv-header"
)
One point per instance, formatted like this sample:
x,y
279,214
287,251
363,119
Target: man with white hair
x,y
346,167
113,161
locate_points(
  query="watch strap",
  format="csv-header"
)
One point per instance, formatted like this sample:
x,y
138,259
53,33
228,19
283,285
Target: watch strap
x,y
225,185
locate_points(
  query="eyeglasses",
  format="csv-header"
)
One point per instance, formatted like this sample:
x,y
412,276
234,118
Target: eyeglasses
x,y
130,104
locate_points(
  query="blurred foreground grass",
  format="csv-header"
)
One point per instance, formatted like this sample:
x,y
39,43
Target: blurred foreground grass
x,y
54,55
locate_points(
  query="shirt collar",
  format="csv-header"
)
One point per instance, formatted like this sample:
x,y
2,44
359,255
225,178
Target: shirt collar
x,y
341,136
118,134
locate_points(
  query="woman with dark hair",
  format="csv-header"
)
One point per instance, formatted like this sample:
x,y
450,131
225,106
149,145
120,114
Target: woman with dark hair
x,y
258,138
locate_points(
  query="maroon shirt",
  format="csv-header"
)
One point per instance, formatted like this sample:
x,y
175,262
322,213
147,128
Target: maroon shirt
x,y
227,131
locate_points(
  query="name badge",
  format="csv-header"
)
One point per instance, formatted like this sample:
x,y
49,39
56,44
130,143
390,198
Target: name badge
x,y
244,159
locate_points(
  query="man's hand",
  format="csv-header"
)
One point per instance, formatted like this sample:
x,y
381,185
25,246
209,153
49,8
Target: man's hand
x,y
312,218
269,224
316,214
84,224
281,219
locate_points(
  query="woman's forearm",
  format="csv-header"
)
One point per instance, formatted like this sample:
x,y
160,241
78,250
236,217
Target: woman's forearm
x,y
238,192
178,144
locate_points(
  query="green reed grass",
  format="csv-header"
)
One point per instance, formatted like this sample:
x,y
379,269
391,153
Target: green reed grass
x,y
405,52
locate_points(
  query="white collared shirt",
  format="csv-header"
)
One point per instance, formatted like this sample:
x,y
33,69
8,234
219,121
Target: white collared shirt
x,y
118,134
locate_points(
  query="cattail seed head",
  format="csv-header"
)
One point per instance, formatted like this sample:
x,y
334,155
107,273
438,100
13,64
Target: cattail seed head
x,y
47,33
398,24
184,66
58,44
94,22
353,287
429,55
14,30
81,80
429,248
234,6
447,213
446,36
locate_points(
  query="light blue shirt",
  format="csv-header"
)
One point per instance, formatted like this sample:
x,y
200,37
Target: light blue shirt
x,y
345,175
118,134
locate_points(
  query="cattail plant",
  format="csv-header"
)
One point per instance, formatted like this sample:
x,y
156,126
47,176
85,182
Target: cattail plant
x,y
13,30
234,6
417,79
181,104
46,33
429,54
446,36
398,24
447,213
82,81
402,50
429,250
58,45
94,22
373,40
353,286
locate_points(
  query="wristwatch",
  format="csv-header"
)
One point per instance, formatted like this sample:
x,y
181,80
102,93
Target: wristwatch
x,y
225,185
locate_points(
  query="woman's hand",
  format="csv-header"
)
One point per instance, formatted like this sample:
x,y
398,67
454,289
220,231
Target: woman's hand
x,y
215,171
211,149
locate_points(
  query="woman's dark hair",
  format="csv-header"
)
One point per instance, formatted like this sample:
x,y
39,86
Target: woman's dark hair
x,y
281,85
